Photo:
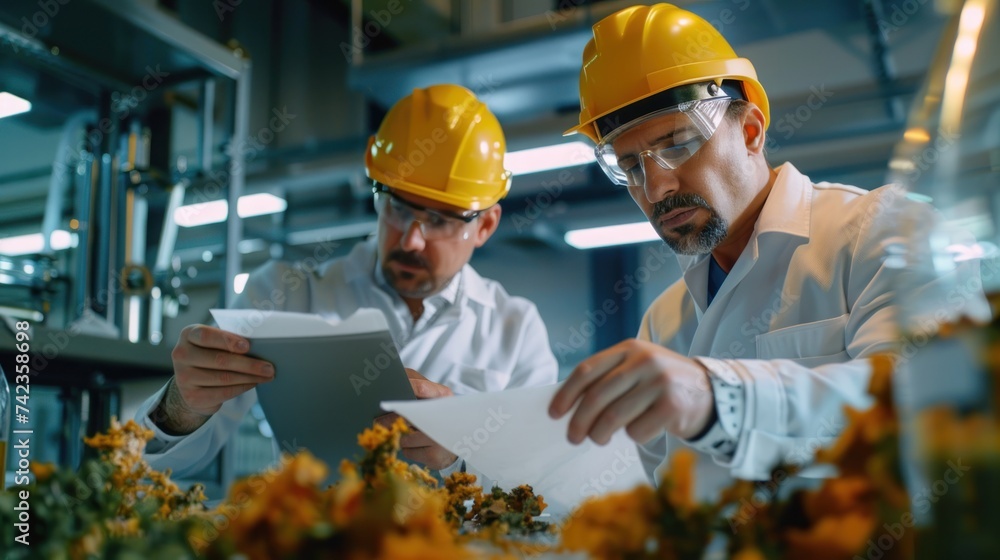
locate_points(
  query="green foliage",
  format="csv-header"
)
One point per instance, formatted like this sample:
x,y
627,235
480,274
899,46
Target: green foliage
x,y
72,515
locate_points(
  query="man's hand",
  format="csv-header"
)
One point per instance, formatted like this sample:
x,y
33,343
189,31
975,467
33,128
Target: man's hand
x,y
209,368
639,386
416,446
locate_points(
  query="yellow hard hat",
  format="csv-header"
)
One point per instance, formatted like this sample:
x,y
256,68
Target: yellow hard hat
x,y
443,144
644,50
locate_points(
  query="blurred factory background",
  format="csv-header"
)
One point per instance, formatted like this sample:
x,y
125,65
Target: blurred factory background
x,y
141,109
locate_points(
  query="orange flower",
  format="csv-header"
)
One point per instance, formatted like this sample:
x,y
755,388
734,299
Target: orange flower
x,y
614,525
42,471
678,482
841,496
832,538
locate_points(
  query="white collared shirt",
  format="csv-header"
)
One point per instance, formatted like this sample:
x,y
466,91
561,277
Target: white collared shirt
x,y
472,337
804,306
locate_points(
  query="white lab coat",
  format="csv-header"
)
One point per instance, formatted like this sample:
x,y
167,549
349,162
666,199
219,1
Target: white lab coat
x,y
808,300
472,337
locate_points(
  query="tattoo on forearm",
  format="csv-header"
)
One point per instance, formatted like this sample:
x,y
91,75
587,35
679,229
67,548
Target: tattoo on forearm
x,y
173,416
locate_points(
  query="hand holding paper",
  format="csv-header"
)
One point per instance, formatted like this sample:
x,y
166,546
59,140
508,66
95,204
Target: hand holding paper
x,y
416,446
510,438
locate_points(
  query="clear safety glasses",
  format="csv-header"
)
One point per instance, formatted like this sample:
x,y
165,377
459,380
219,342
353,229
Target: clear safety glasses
x,y
401,214
694,124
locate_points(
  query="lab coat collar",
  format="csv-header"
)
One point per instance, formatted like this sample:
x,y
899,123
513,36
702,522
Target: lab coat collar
x,y
788,207
787,211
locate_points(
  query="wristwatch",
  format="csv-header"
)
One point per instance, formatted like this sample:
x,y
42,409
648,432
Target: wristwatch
x,y
723,434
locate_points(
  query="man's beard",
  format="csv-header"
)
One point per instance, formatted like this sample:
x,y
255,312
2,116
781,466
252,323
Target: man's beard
x,y
394,278
689,241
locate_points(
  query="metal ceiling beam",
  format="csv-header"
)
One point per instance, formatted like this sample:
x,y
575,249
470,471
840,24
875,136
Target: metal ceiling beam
x,y
168,29
885,71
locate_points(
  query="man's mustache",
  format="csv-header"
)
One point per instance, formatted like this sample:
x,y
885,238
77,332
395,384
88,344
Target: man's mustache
x,y
408,259
685,200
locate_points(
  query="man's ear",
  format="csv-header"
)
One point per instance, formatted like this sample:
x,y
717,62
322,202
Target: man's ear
x,y
486,224
753,129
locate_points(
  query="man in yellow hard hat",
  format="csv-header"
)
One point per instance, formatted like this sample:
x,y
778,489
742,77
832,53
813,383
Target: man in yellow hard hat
x,y
751,356
436,164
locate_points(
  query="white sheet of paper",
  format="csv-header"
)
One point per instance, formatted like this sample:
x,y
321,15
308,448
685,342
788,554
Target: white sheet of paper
x,y
509,437
253,323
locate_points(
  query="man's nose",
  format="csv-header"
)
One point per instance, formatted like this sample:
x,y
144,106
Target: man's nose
x,y
658,182
413,237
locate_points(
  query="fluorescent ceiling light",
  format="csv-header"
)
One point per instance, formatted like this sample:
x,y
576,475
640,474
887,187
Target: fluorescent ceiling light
x,y
33,243
216,211
240,282
202,213
606,236
12,105
260,204
567,154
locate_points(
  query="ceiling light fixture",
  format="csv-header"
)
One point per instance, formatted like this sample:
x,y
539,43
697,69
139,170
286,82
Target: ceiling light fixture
x,y
606,236
216,211
557,156
240,282
11,105
33,243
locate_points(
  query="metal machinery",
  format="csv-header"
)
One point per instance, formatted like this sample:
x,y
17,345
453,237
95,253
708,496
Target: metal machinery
x,y
114,186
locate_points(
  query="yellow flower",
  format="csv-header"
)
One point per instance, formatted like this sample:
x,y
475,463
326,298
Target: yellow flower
x,y
43,471
89,545
122,527
378,435
346,501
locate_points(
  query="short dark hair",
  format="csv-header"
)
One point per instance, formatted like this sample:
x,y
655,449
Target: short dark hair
x,y
737,108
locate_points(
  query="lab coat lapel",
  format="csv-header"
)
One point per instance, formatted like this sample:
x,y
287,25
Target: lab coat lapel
x,y
786,213
711,319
